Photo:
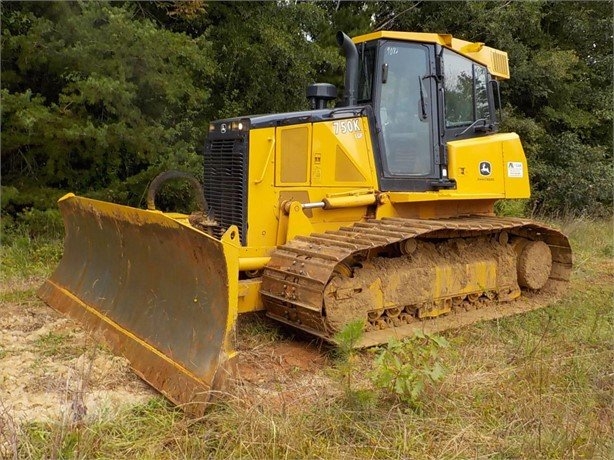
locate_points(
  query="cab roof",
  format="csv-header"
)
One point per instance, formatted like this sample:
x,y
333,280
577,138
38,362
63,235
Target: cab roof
x,y
495,60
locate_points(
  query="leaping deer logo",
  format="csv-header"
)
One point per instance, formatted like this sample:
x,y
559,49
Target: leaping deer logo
x,y
485,168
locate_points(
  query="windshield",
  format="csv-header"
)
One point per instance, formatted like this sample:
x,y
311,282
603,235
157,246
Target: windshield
x,y
405,109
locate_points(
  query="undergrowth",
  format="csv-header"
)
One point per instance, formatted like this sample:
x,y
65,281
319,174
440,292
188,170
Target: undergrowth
x,y
537,385
30,247
405,368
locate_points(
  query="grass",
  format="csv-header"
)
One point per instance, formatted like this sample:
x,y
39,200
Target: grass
x,y
538,385
24,257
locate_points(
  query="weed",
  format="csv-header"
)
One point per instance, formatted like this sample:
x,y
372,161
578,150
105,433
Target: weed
x,y
348,337
537,385
346,361
511,208
255,329
24,257
57,344
405,368
18,295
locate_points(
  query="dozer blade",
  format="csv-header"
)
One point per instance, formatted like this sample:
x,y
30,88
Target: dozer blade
x,y
159,292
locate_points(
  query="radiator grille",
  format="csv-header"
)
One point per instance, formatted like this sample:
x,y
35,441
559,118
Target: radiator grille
x,y
225,182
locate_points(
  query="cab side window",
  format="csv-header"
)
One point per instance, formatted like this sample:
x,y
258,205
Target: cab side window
x,y
365,76
465,90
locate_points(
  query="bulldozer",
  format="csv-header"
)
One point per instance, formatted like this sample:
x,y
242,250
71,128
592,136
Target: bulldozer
x,y
379,208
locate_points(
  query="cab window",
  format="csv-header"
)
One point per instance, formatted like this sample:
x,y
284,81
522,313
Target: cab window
x,y
404,109
465,90
365,77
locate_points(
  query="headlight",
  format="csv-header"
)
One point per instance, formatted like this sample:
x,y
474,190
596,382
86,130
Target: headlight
x,y
230,126
239,125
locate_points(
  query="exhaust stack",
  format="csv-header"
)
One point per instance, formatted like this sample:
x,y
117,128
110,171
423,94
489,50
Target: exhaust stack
x,y
351,69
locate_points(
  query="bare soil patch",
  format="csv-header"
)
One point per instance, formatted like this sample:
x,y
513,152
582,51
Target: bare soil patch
x,y
51,370
285,373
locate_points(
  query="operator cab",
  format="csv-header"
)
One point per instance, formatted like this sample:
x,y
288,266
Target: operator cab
x,y
423,95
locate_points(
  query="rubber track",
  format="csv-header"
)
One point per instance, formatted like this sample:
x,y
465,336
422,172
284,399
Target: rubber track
x,y
293,282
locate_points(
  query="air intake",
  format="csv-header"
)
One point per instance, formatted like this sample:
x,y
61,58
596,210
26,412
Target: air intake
x,y
500,66
225,181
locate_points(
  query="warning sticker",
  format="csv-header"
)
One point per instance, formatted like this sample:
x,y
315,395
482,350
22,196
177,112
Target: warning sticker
x,y
514,169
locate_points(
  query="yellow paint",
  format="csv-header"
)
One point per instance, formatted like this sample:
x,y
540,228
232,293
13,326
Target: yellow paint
x,y
517,183
269,179
350,201
479,276
253,263
298,223
342,155
472,48
292,163
263,206
466,156
377,294
231,254
332,161
495,60
249,296
268,161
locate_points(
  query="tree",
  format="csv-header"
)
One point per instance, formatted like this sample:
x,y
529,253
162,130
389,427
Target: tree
x,y
94,99
99,97
267,54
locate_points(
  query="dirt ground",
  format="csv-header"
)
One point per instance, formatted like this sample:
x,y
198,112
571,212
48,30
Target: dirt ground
x,y
51,370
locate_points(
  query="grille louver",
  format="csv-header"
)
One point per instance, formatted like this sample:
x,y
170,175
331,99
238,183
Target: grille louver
x,y
225,182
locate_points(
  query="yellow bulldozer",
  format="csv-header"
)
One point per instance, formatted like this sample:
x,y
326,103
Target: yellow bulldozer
x,y
380,210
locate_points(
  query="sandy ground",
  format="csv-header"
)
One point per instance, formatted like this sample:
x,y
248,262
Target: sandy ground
x,y
52,371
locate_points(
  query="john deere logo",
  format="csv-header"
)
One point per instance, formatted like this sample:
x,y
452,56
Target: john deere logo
x,y
485,168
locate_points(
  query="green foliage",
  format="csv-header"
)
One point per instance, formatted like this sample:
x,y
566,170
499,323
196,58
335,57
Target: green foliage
x,y
406,367
346,340
16,200
46,224
572,177
348,337
30,213
22,256
52,343
99,97
536,385
528,386
109,98
30,243
511,208
265,56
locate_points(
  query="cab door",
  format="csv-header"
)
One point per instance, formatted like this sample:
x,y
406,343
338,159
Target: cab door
x,y
403,101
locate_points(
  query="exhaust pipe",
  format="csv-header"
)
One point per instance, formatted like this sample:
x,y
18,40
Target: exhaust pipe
x,y
351,69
